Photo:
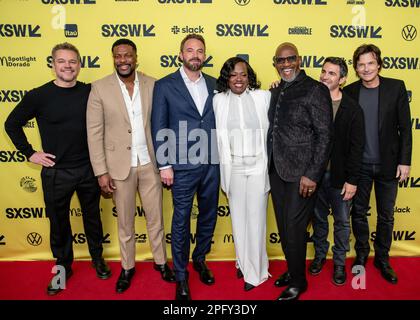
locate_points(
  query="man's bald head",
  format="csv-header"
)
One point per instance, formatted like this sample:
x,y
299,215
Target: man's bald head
x,y
287,45
287,61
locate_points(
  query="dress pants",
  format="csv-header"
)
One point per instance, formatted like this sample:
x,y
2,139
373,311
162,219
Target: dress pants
x,y
147,182
386,194
329,197
248,208
292,215
59,186
203,181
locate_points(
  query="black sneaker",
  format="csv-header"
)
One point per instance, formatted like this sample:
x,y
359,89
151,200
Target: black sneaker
x,y
316,266
339,275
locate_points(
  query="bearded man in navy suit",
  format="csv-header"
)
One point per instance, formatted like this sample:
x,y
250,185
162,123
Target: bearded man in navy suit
x,y
184,140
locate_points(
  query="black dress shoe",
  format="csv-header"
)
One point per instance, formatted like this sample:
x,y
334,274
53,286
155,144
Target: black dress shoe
x,y
182,290
339,275
102,269
248,286
124,280
53,289
291,293
386,271
283,280
360,261
239,274
165,271
316,266
206,276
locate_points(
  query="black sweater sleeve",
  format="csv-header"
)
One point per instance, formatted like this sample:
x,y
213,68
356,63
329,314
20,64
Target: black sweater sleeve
x,y
21,114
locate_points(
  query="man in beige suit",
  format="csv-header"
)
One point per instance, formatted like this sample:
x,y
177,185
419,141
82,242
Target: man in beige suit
x,y
122,156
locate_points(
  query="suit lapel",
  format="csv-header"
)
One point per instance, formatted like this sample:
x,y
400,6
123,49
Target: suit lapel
x,y
181,87
115,90
144,96
210,96
381,102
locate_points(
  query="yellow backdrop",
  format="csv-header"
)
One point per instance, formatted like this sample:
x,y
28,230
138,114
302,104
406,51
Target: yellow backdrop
x,y
251,28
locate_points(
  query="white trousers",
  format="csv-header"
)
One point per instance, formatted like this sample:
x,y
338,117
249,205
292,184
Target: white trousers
x,y
248,209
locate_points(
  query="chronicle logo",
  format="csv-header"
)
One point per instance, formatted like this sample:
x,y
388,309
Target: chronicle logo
x,y
355,2
242,2
304,31
16,62
28,184
34,239
409,32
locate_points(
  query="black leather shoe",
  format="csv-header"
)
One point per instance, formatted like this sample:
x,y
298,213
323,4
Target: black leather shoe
x,y
283,280
165,271
360,261
339,275
316,266
248,286
386,271
102,269
124,280
291,293
182,290
239,274
206,276
52,289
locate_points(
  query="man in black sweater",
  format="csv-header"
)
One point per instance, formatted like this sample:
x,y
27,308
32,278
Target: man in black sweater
x,y
59,107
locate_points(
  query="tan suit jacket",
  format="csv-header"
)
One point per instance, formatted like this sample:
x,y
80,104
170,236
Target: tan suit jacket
x,y
109,128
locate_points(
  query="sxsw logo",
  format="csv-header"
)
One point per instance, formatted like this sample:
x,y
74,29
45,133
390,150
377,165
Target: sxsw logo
x,y
171,61
183,1
242,30
68,1
2,242
80,238
70,31
415,123
139,212
275,237
11,156
410,95
297,2
312,61
127,30
8,95
403,3
411,182
193,238
398,235
86,62
223,211
25,213
410,63
19,30
350,31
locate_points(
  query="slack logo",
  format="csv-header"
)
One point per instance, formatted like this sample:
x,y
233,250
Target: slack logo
x,y
70,31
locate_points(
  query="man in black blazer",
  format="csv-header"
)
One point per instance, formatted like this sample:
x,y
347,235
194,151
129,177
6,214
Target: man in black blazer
x,y
386,156
298,146
339,183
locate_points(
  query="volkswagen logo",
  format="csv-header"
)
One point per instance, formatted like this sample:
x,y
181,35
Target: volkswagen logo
x,y
34,239
409,32
242,2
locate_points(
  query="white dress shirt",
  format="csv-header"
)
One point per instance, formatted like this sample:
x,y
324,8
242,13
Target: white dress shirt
x,y
139,151
198,89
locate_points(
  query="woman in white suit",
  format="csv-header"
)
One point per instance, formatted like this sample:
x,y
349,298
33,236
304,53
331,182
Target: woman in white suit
x,y
241,110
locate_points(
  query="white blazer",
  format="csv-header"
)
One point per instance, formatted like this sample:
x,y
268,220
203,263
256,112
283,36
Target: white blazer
x,y
221,108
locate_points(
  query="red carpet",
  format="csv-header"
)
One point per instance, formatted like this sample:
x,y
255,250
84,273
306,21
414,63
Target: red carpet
x,y
28,280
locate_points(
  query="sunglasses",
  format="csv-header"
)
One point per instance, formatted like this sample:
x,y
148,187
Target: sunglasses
x,y
281,60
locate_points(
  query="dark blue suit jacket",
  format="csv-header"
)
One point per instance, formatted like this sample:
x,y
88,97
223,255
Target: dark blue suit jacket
x,y
181,136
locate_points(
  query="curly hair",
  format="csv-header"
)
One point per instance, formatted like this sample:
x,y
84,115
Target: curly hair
x,y
222,84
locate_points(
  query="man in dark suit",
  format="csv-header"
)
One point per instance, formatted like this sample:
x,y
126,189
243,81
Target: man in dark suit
x,y
299,140
339,183
386,156
182,123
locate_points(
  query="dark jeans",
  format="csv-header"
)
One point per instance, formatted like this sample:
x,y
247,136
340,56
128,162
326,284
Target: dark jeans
x,y
59,186
385,194
330,197
292,215
203,181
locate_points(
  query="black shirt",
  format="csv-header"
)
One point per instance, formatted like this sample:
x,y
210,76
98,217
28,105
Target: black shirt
x,y
61,117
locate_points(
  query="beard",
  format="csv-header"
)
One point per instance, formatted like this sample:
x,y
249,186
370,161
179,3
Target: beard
x,y
193,67
291,78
